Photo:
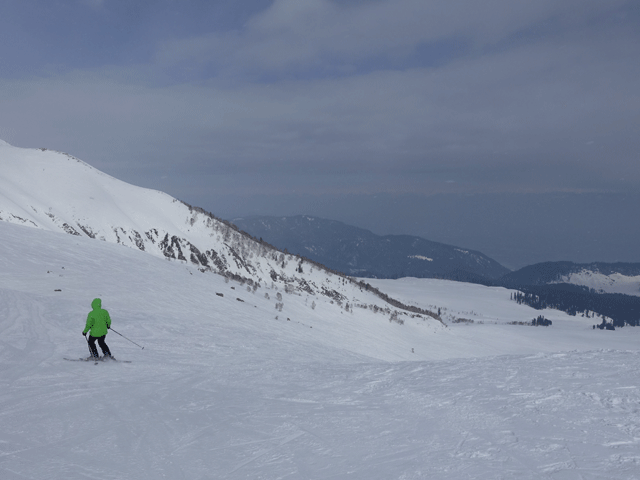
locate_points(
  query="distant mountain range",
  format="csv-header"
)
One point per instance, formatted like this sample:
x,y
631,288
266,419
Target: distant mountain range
x,y
359,252
609,291
599,277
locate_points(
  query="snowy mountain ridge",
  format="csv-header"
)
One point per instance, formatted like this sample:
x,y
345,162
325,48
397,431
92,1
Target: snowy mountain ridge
x,y
359,252
57,192
602,277
611,283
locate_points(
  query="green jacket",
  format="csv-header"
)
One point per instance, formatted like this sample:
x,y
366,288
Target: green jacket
x,y
98,320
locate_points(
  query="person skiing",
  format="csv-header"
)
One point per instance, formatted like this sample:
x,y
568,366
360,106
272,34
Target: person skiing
x,y
98,322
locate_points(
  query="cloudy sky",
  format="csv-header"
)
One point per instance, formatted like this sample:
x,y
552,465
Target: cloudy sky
x,y
211,99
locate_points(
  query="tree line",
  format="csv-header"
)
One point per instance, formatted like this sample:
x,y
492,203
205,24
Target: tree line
x,y
573,299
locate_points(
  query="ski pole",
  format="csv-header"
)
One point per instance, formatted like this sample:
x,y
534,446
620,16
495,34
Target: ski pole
x,y
89,346
126,338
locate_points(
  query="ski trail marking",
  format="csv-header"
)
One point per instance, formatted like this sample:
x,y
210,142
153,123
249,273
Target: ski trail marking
x,y
287,439
461,443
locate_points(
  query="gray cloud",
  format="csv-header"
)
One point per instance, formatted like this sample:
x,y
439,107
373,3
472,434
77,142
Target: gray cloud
x,y
311,34
399,116
325,96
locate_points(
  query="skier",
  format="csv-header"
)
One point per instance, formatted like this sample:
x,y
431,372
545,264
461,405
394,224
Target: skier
x,y
98,322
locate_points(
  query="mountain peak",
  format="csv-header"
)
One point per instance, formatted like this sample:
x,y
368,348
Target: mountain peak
x,y
54,191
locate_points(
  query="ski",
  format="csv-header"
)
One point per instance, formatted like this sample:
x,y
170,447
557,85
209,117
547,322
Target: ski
x,y
82,360
95,360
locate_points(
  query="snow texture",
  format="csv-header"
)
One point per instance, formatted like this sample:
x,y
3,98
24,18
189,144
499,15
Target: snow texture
x,y
235,390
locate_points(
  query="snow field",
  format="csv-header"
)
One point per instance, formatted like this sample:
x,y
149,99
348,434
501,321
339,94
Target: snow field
x,y
614,283
224,390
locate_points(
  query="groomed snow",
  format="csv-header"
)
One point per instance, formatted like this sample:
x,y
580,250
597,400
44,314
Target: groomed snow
x,y
224,390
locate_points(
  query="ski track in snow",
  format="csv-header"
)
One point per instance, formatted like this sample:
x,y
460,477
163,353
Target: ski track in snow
x,y
223,390
452,419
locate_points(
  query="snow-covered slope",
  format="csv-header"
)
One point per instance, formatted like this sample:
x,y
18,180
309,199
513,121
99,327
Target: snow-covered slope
x,y
57,192
275,369
229,387
602,277
604,283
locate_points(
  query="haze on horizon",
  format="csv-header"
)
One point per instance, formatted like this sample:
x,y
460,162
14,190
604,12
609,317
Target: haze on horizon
x,y
511,127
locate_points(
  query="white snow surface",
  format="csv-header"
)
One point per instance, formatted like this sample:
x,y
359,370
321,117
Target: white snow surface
x,y
57,192
421,257
45,182
228,389
614,283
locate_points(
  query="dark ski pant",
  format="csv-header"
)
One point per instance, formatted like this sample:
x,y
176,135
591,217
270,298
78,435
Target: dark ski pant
x,y
103,346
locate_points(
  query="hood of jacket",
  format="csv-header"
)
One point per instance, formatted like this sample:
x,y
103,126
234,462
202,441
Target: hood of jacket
x,y
96,304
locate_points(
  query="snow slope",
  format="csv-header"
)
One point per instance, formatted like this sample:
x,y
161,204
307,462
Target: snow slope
x,y
47,189
603,283
229,389
57,192
623,278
